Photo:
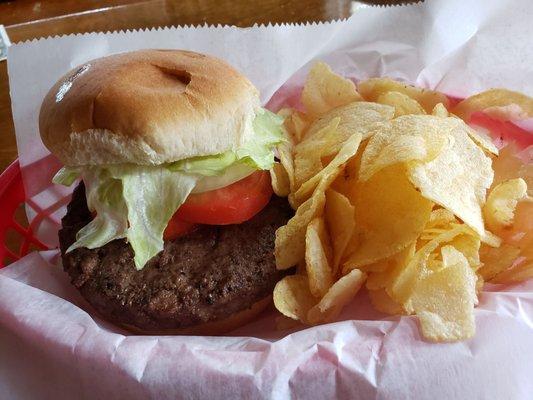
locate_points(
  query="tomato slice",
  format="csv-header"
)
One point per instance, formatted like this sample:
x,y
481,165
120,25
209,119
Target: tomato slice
x,y
232,204
177,228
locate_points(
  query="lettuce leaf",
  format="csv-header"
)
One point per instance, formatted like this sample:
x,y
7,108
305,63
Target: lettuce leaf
x,y
66,176
152,195
207,165
104,196
257,151
268,133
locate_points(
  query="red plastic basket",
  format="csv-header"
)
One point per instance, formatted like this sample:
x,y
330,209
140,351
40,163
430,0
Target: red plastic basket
x,y
16,235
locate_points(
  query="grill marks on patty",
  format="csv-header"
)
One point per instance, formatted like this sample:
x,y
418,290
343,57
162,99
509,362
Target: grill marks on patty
x,y
206,275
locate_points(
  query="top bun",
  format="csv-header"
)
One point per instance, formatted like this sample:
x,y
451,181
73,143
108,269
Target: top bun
x,y
147,107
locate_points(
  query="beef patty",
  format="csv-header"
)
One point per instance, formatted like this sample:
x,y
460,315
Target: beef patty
x,y
206,275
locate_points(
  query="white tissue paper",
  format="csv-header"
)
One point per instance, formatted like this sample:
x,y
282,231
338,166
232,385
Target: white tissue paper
x,y
53,346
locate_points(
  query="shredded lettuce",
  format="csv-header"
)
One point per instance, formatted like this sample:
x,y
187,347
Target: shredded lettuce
x,y
136,202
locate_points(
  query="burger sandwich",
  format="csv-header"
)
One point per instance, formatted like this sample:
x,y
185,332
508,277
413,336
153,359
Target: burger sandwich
x,y
171,226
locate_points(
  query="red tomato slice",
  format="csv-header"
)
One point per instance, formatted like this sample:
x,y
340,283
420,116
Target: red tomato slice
x,y
502,131
177,228
232,204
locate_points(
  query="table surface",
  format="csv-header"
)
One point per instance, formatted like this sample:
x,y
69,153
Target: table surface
x,y
25,19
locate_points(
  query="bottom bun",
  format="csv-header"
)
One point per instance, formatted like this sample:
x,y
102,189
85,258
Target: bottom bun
x,y
211,328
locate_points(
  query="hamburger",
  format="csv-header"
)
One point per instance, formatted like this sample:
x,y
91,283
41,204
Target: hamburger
x,y
171,225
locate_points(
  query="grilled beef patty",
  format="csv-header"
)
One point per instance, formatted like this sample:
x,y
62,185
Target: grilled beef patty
x,y
206,275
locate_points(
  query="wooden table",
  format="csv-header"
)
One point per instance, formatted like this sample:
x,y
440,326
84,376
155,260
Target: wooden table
x,y
25,19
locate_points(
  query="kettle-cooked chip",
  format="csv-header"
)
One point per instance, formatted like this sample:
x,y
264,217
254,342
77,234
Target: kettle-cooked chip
x,y
389,215
318,258
440,111
308,154
444,300
396,194
382,302
280,180
372,88
402,103
517,274
327,135
325,90
492,98
501,203
292,297
327,175
290,239
457,179
496,260
409,270
340,294
340,220
408,138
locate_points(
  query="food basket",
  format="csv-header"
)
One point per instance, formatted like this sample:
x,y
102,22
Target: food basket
x,y
16,234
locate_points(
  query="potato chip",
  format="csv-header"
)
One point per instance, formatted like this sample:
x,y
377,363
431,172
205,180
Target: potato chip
x,y
325,136
507,165
399,199
389,214
526,245
382,302
345,183
309,153
440,111
379,279
296,124
523,220
444,300
280,180
358,117
402,103
292,297
285,150
501,203
492,98
506,113
457,179
317,258
328,174
517,274
341,223
371,89
482,140
325,90
440,217
410,270
469,245
290,238
400,149
480,284
340,294
407,138
496,260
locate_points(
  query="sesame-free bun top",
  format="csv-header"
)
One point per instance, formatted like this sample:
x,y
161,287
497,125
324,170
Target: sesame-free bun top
x,y
147,107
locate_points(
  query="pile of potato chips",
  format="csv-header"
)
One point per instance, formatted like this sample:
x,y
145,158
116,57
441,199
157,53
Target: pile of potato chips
x,y
395,191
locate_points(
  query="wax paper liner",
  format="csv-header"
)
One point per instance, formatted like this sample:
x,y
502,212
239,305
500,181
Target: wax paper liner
x,y
52,345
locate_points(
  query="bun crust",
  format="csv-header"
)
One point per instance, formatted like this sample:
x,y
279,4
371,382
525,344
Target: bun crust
x,y
147,107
